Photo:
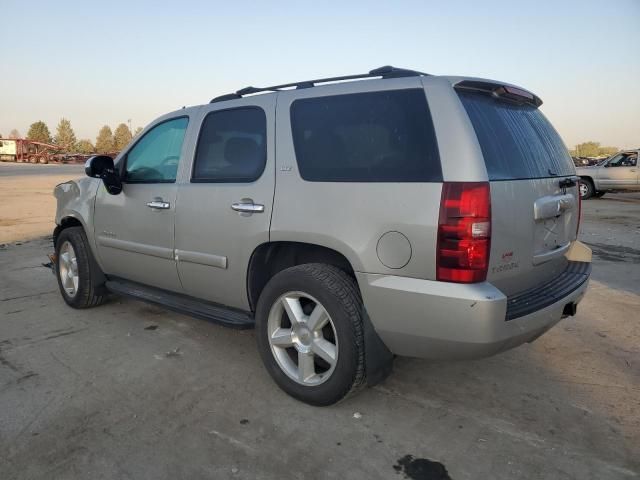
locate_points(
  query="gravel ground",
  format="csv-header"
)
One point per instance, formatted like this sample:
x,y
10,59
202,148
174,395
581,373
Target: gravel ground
x,y
135,392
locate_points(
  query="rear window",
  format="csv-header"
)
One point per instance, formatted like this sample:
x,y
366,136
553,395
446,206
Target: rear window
x,y
517,141
366,137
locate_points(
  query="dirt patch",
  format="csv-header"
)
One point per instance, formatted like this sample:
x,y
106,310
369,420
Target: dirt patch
x,y
615,253
27,205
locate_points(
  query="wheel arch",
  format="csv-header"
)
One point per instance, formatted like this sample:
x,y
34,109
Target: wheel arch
x,y
270,258
588,178
66,222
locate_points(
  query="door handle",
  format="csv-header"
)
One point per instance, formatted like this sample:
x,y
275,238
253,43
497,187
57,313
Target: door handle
x,y
247,207
159,204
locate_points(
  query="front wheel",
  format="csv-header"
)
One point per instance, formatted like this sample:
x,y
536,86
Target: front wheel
x,y
75,270
309,330
586,189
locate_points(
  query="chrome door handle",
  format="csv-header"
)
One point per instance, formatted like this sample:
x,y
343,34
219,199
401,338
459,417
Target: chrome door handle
x,y
248,207
159,204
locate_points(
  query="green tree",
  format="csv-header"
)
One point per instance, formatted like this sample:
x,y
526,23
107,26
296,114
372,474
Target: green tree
x,y
65,136
121,137
14,133
608,151
137,132
592,149
588,149
104,141
39,132
85,146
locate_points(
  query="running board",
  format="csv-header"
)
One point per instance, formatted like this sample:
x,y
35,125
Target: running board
x,y
229,317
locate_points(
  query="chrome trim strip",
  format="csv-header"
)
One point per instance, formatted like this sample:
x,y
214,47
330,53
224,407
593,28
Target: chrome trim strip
x,y
553,206
128,246
199,258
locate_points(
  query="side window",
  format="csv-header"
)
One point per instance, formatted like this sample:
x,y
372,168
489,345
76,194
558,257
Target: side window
x,y
155,158
232,146
615,161
630,160
383,136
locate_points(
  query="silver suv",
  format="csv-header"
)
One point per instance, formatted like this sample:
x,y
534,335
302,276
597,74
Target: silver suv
x,y
347,219
618,173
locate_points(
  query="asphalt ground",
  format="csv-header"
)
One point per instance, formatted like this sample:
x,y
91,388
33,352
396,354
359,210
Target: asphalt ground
x,y
132,391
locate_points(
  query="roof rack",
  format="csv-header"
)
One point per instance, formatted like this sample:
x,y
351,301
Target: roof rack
x,y
384,72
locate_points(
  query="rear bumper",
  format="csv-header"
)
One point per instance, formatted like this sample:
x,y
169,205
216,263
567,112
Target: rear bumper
x,y
440,320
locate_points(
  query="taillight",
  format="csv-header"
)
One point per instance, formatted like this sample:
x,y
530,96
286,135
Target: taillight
x,y
464,232
579,209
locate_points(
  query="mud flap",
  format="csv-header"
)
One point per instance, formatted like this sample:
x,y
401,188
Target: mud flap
x,y
578,252
378,358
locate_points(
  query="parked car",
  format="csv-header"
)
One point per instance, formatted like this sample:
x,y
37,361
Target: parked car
x,y
347,219
618,173
585,161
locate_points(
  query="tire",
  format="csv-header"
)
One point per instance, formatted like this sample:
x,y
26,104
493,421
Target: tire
x,y
43,160
586,189
337,294
85,291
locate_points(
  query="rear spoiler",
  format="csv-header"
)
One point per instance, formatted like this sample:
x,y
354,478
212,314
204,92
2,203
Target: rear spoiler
x,y
503,92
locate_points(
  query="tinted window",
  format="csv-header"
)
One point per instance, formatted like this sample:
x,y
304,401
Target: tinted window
x,y
155,158
517,141
366,137
624,160
232,146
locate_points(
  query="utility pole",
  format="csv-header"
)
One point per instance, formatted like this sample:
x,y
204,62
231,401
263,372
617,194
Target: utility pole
x,y
129,122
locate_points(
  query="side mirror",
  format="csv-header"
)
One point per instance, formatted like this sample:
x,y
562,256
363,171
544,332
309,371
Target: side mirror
x,y
607,165
101,166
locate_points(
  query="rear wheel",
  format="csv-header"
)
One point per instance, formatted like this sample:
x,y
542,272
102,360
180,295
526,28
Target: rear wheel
x,y
586,189
310,333
74,266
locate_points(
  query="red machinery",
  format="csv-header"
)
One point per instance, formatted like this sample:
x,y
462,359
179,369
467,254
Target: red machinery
x,y
23,150
29,151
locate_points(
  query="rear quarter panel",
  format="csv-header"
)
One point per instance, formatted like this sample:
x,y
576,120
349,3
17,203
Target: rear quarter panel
x,y
352,217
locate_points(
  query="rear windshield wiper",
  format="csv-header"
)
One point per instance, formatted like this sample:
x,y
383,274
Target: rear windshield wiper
x,y
552,173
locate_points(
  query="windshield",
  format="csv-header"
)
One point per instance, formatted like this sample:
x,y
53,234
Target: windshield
x,y
517,141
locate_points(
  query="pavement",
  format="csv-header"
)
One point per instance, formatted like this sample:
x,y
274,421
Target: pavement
x,y
21,169
132,391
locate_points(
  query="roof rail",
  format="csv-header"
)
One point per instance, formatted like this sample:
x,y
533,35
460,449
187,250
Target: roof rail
x,y
383,72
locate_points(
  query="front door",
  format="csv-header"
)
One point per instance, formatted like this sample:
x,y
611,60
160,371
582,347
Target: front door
x,y
621,172
134,230
224,209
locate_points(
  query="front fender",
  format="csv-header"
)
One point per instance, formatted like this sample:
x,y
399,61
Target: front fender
x,y
75,199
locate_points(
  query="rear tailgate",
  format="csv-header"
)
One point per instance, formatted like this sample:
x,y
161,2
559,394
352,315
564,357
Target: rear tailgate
x,y
534,196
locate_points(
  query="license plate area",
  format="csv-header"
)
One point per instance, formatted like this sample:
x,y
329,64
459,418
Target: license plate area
x,y
551,232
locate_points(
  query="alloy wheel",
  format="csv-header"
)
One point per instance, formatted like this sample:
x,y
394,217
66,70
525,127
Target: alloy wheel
x,y
583,190
68,269
302,338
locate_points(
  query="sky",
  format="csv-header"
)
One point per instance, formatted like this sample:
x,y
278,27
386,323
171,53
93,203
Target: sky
x,y
98,63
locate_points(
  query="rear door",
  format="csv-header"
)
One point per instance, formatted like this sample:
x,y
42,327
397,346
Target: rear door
x,y
534,201
224,208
